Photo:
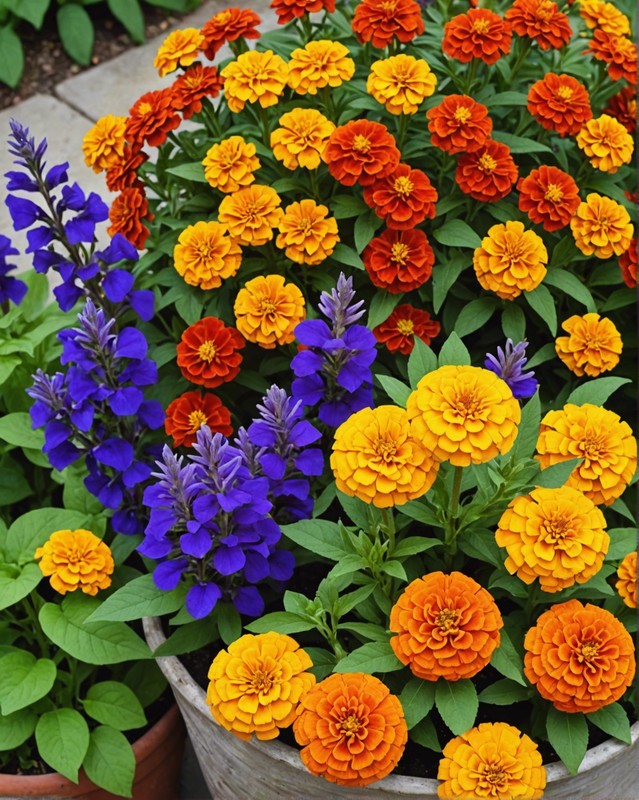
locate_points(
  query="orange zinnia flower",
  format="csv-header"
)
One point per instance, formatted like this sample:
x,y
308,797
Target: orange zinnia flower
x,y
250,214
605,16
600,438
399,261
179,49
628,265
361,151
123,173
459,124
188,412
559,103
288,10
230,164
623,107
403,198
254,77
192,86
580,657
302,139
205,255
151,118
593,346
76,560
406,322
540,20
307,234
618,52
381,21
479,33
351,728
227,26
267,310
320,63
488,173
626,584
447,626
606,142
549,196
400,83
601,226
127,211
208,353
103,145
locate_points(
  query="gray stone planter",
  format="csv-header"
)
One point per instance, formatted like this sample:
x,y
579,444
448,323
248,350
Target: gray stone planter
x,y
257,770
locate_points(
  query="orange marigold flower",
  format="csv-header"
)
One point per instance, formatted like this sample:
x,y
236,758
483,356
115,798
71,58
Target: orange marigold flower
x,y
549,196
301,139
179,49
403,198
559,103
488,173
254,77
580,657
459,124
556,535
465,415
593,346
361,151
126,214
628,265
605,16
318,64
493,759
103,145
398,332
447,626
76,560
619,52
540,20
250,214
267,310
256,685
208,352
307,233
351,728
606,142
626,584
151,118
623,107
479,33
399,261
401,83
205,255
188,412
288,10
599,437
122,174
229,165
601,226
192,86
510,260
381,21
377,457
228,26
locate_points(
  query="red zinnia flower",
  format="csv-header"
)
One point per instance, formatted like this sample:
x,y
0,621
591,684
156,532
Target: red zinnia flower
x,y
192,85
151,118
540,20
126,214
361,151
549,196
623,107
380,21
287,10
488,174
188,412
479,33
399,261
123,174
403,198
628,264
459,124
208,353
406,322
559,103
227,26
618,52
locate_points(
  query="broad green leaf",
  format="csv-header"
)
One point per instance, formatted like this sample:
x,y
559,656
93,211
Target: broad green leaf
x,y
396,390
445,275
622,542
317,535
421,361
506,660
367,630
572,286
520,144
189,307
348,565
425,734
541,301
528,432
24,680
568,735
188,638
112,703
613,720
364,230
474,315
229,623
557,474
359,513
344,206
76,32
394,569
508,99
457,704
11,67
417,699
596,391
190,172
13,486
16,429
513,322
129,13
7,363
348,602
503,692
62,737
457,233
139,598
480,543
346,255
281,622
16,728
32,10
14,587
419,512
453,351
381,307
110,762
323,662
146,681
412,545
31,530
370,657
545,353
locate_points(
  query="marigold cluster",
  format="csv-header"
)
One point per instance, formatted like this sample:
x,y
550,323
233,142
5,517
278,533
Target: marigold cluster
x,y
403,198
254,77
626,584
559,103
604,16
540,20
208,352
318,64
459,124
267,310
488,173
361,152
593,345
229,26
288,10
406,322
628,265
479,33
205,255
381,21
251,214
192,86
151,118
187,413
623,107
302,138
399,260
619,52
128,212
104,144
606,142
230,165
180,49
76,560
401,83
549,196
601,226
307,234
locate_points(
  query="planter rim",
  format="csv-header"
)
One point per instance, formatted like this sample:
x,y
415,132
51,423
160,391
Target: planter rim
x,y
182,681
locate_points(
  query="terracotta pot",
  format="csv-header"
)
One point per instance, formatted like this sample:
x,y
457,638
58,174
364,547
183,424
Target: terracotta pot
x,y
158,756
257,770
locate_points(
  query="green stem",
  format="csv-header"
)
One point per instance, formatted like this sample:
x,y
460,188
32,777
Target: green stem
x,y
266,135
388,527
402,126
451,530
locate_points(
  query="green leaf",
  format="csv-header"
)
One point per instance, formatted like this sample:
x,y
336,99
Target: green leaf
x,y
16,429
190,172
457,233
189,307
139,598
568,735
348,565
348,602
417,699
16,728
394,569
188,638
367,630
572,286
457,704
76,32
622,542
317,535
503,693
344,206
513,322
396,390
24,680
424,734
369,658
323,662
229,623
32,10
281,622
556,475
528,432
454,351
421,361
545,353
596,391
474,315
506,660
413,545
364,230
419,512
31,530
129,13
613,720
110,762
62,737
346,255
381,307
360,513
541,301
520,144
445,275
13,486
11,65
112,703
508,99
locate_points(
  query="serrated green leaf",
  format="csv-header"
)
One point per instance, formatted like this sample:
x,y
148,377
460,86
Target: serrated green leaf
x,y
417,699
474,315
110,762
11,63
568,735
24,679
137,599
112,703
557,474
370,658
317,535
506,660
457,704
16,728
453,351
541,301
396,390
596,391
503,692
62,737
281,622
76,32
613,720
421,361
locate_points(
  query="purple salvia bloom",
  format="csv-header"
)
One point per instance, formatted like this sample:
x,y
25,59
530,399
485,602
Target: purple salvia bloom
x,y
508,364
10,288
338,306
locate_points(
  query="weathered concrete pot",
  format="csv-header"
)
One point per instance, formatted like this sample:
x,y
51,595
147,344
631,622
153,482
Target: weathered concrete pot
x,y
257,770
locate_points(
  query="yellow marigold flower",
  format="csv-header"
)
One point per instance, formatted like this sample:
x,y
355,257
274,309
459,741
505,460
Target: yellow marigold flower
x,y
627,583
256,685
254,77
510,260
302,138
205,255
306,234
606,142
605,16
601,438
229,165
601,226
76,560
250,214
556,535
377,457
401,83
267,311
179,49
593,346
103,145
492,760
465,415
319,64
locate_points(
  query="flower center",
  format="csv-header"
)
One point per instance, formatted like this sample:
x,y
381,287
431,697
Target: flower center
x,y
462,113
544,10
487,163
207,350
406,327
592,446
145,108
588,651
222,18
558,528
362,144
403,185
495,775
261,681
197,418
481,26
447,620
305,225
399,253
388,7
565,92
350,726
267,307
467,405
553,193
386,448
